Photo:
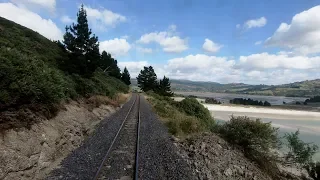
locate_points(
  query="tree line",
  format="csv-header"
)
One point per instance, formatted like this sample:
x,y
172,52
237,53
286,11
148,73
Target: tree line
x,y
147,81
84,56
313,99
249,102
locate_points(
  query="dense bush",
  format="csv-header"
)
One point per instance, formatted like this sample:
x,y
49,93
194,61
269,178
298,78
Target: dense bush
x,y
32,77
249,102
178,123
252,135
27,80
193,108
212,101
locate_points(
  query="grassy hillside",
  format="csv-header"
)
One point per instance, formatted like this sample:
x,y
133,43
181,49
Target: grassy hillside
x,y
302,89
30,77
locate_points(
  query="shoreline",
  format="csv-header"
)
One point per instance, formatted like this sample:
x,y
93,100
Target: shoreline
x,y
261,112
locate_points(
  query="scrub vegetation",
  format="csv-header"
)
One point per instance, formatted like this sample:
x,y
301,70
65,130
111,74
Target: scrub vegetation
x,y
38,74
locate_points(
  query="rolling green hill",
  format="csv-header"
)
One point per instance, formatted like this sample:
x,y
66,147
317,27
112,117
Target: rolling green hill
x,y
302,89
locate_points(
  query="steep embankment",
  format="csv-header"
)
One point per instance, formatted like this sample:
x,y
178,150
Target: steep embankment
x,y
45,111
33,153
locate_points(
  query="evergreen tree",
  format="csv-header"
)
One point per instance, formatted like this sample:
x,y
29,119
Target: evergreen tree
x,y
125,77
82,45
165,87
109,65
147,79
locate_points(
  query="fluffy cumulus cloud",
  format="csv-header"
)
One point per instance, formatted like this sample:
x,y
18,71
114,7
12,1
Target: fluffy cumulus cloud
x,y
116,47
66,19
48,4
254,23
31,20
280,61
166,39
302,35
211,46
261,68
104,18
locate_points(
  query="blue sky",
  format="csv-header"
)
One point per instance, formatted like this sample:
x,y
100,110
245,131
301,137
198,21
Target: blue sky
x,y
209,40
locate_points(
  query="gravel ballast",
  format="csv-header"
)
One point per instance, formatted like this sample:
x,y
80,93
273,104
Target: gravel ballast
x,y
83,162
158,157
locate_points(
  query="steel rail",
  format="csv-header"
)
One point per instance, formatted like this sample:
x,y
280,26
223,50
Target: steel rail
x,y
136,172
114,139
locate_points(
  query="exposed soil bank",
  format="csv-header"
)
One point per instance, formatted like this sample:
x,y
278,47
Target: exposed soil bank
x,y
33,153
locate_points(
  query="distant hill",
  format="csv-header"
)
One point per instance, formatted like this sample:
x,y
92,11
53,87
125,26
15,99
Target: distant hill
x,y
307,88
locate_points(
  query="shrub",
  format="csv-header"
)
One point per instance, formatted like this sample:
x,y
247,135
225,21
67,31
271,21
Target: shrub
x,y
299,151
192,107
178,123
250,134
26,80
257,138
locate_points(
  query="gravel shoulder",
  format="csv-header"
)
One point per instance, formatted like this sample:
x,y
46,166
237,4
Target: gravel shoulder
x,y
84,161
158,156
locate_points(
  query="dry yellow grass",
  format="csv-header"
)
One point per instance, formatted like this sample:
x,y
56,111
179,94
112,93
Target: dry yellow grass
x,y
98,100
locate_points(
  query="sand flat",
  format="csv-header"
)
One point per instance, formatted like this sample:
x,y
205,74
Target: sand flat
x,y
226,111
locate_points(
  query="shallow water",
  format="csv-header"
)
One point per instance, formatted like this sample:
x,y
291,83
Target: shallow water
x,y
225,97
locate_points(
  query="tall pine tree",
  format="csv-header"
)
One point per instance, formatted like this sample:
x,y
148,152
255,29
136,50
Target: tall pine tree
x,y
126,76
147,79
165,87
83,46
109,65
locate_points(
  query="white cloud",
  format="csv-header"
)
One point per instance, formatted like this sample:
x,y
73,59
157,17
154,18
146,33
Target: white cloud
x,y
116,47
258,43
104,18
211,46
166,39
280,61
302,35
261,68
254,23
66,19
133,67
31,20
48,4
144,50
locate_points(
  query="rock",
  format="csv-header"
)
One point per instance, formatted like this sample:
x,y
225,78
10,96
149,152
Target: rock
x,y
228,172
238,169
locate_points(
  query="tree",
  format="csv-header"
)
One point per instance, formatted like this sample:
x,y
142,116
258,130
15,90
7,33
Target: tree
x,y
165,87
82,45
125,77
109,65
147,79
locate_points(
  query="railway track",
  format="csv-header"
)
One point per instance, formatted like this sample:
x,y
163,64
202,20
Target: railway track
x,y
121,159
